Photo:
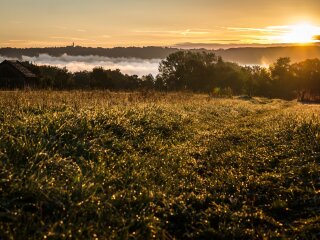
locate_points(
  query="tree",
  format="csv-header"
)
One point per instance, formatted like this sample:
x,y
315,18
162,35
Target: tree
x,y
257,81
82,79
283,79
186,70
307,77
147,81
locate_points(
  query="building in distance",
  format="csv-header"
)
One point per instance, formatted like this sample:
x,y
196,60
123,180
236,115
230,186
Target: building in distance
x,y
13,75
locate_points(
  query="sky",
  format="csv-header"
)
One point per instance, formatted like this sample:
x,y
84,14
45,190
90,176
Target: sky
x,y
111,23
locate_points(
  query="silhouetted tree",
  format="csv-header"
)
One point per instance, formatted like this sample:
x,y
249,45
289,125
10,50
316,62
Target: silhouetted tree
x,y
82,80
197,71
283,80
307,78
201,72
187,70
258,81
147,81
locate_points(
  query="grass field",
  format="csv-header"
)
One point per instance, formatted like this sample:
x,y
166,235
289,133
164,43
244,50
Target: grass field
x,y
101,165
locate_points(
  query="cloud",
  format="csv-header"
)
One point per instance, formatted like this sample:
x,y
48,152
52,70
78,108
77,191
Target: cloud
x,y
228,44
73,38
17,40
225,40
244,29
81,63
192,32
270,29
185,32
317,37
104,36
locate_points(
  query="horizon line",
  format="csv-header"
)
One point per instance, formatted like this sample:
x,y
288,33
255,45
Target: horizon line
x,y
185,46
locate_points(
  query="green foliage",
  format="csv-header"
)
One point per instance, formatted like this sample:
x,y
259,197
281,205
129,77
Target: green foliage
x,y
102,165
203,71
307,75
50,77
199,72
186,70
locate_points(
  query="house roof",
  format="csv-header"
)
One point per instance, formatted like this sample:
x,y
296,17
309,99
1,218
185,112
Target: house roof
x,y
20,68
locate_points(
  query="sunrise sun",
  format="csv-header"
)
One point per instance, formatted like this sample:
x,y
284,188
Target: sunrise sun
x,y
300,33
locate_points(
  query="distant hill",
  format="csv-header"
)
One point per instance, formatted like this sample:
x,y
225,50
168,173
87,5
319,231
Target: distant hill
x,y
268,55
242,55
118,52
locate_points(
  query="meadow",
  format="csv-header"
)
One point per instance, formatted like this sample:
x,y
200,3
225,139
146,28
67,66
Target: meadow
x,y
104,165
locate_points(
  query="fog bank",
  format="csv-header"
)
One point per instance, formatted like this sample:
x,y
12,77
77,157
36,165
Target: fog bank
x,y
81,63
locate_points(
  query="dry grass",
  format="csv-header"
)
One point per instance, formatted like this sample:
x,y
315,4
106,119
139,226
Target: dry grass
x,y
96,165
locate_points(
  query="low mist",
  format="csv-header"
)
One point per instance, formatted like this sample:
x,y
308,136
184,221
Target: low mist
x,y
129,66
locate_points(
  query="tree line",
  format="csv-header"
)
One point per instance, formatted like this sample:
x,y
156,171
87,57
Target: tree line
x,y
206,72
201,72
243,55
117,52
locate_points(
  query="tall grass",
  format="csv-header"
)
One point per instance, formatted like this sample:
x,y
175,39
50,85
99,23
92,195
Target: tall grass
x,y
103,165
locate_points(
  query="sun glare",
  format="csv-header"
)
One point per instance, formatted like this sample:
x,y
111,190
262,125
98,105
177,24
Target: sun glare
x,y
300,33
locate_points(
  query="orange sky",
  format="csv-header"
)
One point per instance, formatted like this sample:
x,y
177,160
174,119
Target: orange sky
x,y
109,23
